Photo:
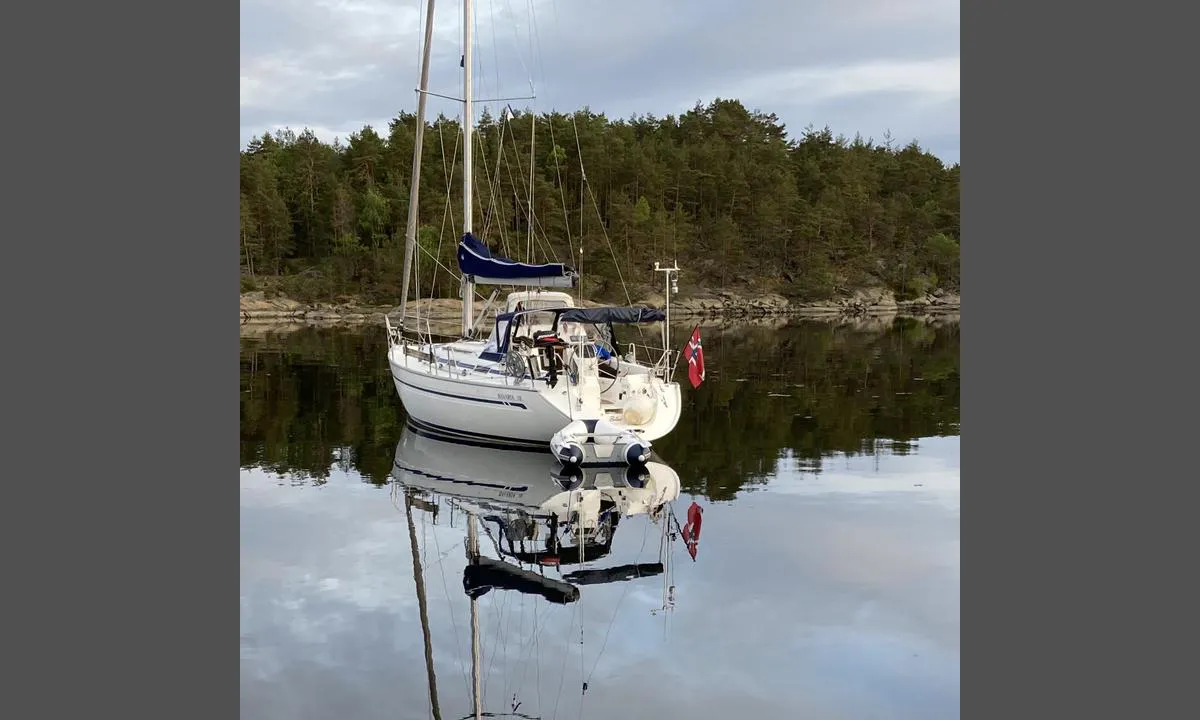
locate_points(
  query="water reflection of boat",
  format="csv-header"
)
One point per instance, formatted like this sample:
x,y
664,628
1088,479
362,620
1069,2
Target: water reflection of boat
x,y
517,493
538,515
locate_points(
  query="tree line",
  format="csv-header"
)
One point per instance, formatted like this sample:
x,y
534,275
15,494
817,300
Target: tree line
x,y
723,189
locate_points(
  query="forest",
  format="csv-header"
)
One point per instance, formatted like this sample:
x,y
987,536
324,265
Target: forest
x,y
725,191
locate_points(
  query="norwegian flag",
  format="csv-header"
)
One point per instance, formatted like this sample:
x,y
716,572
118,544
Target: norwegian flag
x,y
695,356
691,531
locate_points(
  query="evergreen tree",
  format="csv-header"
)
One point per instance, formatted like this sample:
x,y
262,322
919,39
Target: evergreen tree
x,y
723,189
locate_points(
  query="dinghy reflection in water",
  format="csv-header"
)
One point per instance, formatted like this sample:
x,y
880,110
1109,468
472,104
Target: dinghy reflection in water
x,y
541,512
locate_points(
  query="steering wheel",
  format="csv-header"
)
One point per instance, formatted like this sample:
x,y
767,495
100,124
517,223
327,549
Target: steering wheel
x,y
616,369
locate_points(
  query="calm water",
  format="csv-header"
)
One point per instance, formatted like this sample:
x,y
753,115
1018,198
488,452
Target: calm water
x,y
825,582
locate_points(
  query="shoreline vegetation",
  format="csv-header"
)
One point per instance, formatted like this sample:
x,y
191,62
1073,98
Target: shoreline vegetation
x,y
871,307
761,221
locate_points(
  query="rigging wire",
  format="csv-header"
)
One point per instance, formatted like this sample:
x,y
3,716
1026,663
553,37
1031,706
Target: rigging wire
x,y
453,621
563,676
611,622
533,223
530,218
448,211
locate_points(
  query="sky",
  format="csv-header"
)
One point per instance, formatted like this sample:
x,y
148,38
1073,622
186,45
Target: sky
x,y
857,66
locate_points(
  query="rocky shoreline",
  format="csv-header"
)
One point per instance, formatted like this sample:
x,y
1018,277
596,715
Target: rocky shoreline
x,y
859,303
716,308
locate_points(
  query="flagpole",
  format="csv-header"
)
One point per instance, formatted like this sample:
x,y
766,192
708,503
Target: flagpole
x,y
672,284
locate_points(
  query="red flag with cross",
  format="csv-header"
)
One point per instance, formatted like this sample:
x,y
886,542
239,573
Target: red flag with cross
x,y
695,358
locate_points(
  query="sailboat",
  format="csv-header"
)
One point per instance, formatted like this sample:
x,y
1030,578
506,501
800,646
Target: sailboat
x,y
539,517
542,373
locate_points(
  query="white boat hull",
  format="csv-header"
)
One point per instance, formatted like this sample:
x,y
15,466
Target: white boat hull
x,y
483,408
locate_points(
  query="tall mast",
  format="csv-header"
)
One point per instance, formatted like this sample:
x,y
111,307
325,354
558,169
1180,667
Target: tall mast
x,y
423,607
410,232
468,287
473,556
468,116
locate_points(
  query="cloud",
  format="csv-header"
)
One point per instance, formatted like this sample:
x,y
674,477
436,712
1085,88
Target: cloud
x,y
935,79
335,65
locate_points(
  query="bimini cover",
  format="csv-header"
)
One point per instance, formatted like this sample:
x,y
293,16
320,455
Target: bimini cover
x,y
614,315
614,574
474,258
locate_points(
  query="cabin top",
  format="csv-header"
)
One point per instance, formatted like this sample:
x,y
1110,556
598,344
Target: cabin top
x,y
537,300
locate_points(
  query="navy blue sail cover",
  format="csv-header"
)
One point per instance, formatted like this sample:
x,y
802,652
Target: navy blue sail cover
x,y
474,258
484,574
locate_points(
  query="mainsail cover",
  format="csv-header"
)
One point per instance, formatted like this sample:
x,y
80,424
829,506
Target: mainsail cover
x,y
485,573
475,259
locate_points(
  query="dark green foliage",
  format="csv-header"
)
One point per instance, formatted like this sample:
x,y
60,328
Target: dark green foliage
x,y
317,394
808,390
721,188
